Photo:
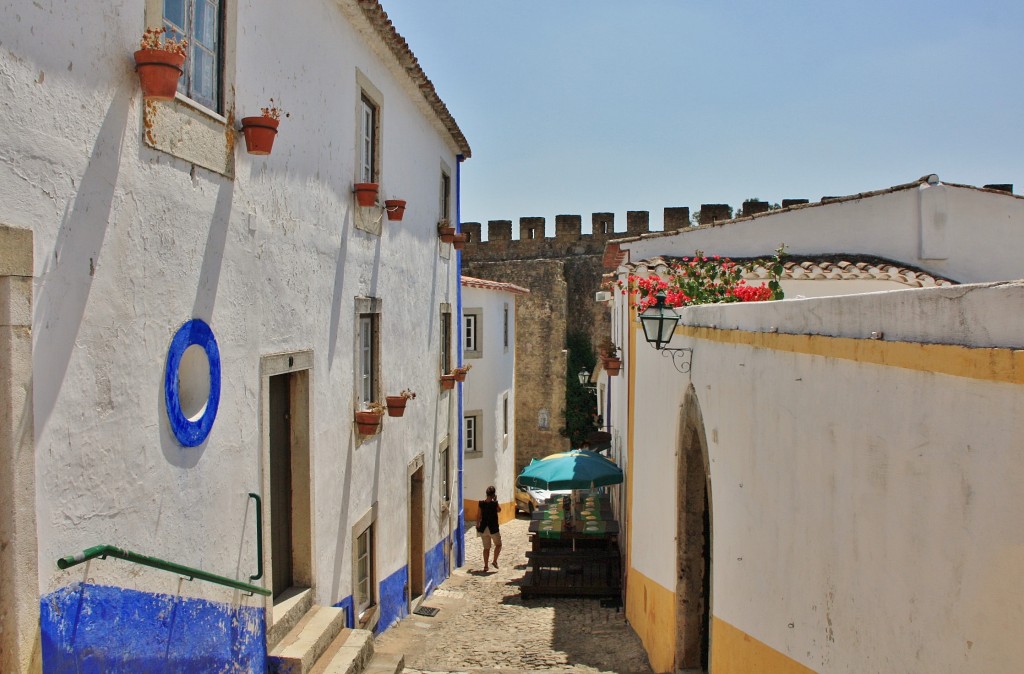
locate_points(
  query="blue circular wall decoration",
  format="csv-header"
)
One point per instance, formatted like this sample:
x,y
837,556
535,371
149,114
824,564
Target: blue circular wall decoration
x,y
188,431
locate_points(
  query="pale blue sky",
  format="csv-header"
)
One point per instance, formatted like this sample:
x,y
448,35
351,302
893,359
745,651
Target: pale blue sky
x,y
577,106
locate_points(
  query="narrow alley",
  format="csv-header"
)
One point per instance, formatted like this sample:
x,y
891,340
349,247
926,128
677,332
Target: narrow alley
x,y
483,625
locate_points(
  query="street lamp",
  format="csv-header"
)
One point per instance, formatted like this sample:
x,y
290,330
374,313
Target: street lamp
x,y
584,377
659,323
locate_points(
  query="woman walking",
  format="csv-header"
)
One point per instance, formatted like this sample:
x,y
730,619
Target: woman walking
x,y
487,527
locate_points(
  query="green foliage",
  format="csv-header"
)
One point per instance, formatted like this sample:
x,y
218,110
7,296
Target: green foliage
x,y
580,403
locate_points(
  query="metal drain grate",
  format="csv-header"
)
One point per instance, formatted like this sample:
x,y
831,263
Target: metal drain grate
x,y
428,611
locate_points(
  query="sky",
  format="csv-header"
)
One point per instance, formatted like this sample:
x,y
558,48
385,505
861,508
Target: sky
x,y
583,106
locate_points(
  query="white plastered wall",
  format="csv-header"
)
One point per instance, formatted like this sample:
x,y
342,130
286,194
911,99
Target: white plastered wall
x,y
865,516
492,378
131,242
944,229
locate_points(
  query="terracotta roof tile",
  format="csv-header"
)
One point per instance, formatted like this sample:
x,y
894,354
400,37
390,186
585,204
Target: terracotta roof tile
x,y
378,18
484,284
830,267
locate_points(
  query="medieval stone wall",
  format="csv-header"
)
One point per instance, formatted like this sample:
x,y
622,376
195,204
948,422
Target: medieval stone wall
x,y
540,360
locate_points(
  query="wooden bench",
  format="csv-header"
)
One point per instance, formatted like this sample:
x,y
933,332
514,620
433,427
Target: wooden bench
x,y
558,572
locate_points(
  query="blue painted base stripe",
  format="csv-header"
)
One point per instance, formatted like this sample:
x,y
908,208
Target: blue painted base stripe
x,y
97,628
437,565
348,605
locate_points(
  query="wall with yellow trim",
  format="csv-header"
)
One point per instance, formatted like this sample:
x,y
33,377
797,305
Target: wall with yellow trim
x,y
650,609
472,511
865,491
735,652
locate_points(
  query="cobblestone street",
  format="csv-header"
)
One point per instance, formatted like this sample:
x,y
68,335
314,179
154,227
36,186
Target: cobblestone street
x,y
483,625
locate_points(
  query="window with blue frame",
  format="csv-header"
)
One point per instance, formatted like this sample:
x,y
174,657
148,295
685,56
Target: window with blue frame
x,y
200,22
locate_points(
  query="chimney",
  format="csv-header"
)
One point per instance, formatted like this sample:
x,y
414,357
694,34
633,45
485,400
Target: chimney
x,y
1002,187
786,203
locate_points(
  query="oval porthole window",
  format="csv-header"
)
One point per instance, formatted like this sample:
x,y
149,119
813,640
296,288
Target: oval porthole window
x,y
192,382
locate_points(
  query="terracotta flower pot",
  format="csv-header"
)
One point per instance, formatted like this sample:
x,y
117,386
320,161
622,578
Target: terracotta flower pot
x,y
459,241
447,234
259,134
159,71
612,366
395,208
366,193
448,381
368,423
396,405
460,375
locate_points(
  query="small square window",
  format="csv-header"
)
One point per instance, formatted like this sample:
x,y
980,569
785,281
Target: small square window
x,y
444,465
471,433
200,22
472,333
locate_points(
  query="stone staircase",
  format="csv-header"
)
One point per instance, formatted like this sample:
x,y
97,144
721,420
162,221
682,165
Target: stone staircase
x,y
310,639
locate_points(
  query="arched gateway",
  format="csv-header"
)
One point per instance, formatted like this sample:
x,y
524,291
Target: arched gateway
x,y
693,533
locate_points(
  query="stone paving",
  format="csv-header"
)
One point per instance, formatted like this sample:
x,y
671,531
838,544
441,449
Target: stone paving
x,y
483,625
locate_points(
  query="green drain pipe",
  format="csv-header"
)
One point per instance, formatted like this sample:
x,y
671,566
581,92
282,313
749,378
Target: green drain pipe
x,y
104,551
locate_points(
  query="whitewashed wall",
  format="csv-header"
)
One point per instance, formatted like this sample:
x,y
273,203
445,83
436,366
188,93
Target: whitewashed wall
x,y
865,513
946,229
492,377
131,242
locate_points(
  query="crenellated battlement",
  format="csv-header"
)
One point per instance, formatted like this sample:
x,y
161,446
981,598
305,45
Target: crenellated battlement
x,y
569,238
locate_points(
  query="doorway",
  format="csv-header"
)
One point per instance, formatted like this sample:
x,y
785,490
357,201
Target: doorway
x,y
287,479
417,558
694,557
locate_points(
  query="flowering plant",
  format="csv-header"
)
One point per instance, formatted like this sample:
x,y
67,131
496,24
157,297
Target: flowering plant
x,y
273,111
706,280
156,38
608,348
376,407
408,394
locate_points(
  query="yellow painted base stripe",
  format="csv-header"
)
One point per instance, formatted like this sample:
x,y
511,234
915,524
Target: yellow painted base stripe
x,y
989,364
651,611
471,511
736,652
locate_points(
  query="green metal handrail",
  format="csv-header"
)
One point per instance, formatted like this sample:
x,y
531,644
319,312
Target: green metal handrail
x,y
104,551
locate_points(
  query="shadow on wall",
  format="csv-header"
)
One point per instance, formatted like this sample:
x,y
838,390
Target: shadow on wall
x,y
66,278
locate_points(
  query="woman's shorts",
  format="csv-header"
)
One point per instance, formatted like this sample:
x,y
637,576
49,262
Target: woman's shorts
x,y
488,537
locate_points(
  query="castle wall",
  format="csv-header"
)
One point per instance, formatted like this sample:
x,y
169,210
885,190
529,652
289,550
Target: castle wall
x,y
540,362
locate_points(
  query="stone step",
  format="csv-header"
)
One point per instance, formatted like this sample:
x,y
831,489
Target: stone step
x,y
300,649
349,653
385,663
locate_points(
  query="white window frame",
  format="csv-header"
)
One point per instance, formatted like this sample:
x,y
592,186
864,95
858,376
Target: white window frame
x,y
367,351
471,433
506,328
446,357
472,333
196,47
505,421
364,586
368,134
444,467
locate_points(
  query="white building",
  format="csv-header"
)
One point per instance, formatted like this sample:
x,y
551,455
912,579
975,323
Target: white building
x,y
186,325
488,395
831,484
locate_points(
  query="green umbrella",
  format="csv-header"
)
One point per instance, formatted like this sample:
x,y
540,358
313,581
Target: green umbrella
x,y
575,469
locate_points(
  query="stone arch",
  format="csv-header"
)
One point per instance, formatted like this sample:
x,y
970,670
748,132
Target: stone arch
x,y
694,538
